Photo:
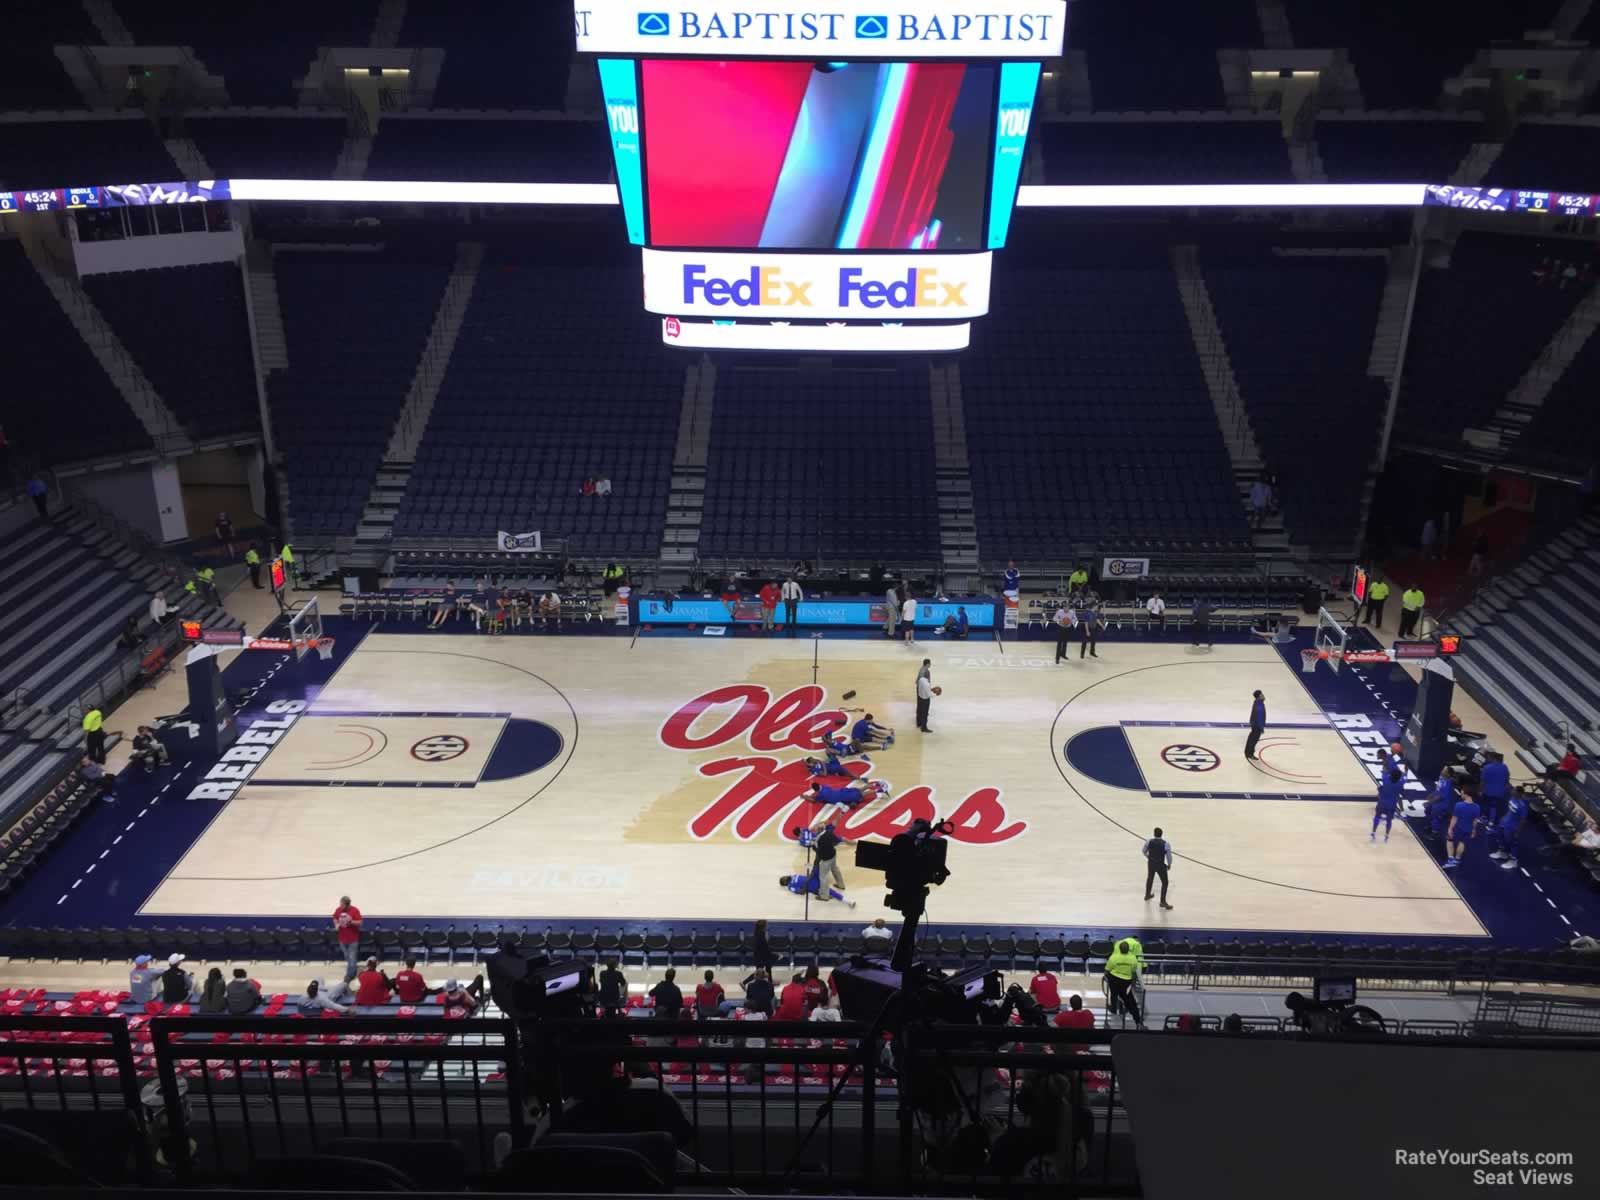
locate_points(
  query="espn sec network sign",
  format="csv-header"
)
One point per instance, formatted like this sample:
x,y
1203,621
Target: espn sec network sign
x,y
897,29
755,285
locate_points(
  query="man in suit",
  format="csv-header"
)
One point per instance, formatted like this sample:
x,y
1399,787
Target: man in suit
x,y
1258,724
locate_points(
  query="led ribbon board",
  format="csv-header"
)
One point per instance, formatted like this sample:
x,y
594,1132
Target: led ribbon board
x,y
846,29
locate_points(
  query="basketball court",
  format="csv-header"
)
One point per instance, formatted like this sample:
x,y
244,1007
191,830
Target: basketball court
x,y
560,779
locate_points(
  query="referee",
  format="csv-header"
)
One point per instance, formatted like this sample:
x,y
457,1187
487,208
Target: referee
x,y
924,694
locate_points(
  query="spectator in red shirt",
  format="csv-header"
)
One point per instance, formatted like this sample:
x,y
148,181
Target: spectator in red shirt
x,y
347,927
410,986
1045,992
1568,766
708,996
792,1002
372,985
1076,1015
730,600
462,998
816,990
769,607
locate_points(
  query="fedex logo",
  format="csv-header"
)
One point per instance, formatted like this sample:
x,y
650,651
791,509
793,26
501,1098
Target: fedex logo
x,y
764,287
921,288
769,287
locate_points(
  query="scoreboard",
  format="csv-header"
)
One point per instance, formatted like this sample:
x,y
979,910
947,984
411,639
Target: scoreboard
x,y
807,179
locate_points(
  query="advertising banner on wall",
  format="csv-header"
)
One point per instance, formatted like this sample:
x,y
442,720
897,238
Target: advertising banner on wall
x,y
518,543
1124,568
863,287
697,611
845,29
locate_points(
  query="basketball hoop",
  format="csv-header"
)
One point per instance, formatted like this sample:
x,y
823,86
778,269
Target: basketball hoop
x,y
1308,661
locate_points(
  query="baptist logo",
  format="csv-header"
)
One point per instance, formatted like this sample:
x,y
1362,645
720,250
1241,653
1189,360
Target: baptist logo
x,y
655,24
672,327
872,28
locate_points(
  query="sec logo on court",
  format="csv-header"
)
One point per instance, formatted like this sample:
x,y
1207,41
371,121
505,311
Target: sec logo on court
x,y
441,747
1188,757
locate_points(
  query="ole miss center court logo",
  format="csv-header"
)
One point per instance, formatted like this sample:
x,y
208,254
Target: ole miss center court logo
x,y
1188,757
764,776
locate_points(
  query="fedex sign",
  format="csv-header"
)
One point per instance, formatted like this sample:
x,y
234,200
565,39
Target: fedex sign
x,y
901,29
820,286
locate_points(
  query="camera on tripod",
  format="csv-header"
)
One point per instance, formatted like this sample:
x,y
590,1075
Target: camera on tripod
x,y
1332,1008
911,863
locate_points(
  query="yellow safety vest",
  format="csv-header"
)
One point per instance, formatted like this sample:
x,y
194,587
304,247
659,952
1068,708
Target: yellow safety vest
x,y
93,720
1380,591
207,575
288,553
1412,599
252,559
1123,966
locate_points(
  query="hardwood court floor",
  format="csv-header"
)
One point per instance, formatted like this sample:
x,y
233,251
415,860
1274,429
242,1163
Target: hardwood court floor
x,y
658,780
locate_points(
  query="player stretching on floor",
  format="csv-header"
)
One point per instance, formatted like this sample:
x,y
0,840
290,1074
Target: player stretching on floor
x,y
1463,828
822,793
1388,801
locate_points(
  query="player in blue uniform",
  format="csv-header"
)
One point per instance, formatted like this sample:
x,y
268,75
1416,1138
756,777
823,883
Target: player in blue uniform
x,y
1388,801
829,764
824,793
1463,828
1507,831
869,735
1494,785
1443,803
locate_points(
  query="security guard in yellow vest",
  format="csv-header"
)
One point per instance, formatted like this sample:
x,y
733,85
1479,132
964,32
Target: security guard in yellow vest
x,y
288,565
1078,580
1122,968
1377,593
94,735
208,584
1411,602
253,561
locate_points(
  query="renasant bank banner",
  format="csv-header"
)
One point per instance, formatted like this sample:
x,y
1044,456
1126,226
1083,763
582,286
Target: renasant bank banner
x,y
759,285
849,29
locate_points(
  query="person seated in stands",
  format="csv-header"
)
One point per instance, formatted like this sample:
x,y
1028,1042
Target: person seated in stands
x,y
463,999
826,1010
214,995
129,637
602,486
708,997
410,986
158,608
372,985
316,1000
244,993
549,609
1568,767
758,995
148,751
1587,838
485,608
142,980
586,488
667,997
177,985
1075,1015
444,607
613,988
792,1001
1046,994
956,624
98,778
